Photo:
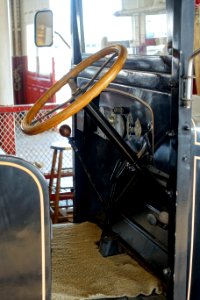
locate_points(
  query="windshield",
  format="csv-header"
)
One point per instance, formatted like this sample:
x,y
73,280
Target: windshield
x,y
140,25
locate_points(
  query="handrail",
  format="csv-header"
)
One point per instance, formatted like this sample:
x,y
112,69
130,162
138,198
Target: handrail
x,y
189,80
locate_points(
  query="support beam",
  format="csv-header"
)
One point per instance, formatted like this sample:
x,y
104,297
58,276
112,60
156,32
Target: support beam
x,y
6,81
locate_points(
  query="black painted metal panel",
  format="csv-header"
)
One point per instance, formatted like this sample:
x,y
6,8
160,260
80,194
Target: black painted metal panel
x,y
25,265
193,291
159,64
158,81
144,80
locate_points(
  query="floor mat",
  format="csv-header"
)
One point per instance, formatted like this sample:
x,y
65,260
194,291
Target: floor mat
x,y
80,272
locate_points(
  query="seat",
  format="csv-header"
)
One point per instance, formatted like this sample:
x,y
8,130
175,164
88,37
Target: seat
x,y
61,198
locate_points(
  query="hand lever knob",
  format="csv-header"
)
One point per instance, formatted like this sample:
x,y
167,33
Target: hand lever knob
x,y
65,130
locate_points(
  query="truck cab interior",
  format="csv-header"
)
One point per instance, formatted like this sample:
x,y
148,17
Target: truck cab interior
x,y
135,142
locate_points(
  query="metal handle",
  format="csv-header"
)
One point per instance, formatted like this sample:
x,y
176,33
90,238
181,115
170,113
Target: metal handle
x,y
189,80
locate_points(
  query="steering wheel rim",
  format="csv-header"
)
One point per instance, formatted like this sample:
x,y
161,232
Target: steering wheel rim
x,y
83,99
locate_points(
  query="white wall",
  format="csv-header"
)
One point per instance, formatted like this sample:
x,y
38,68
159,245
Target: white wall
x,y
6,81
28,10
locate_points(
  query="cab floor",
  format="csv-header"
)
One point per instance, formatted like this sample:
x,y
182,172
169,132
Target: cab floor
x,y
152,297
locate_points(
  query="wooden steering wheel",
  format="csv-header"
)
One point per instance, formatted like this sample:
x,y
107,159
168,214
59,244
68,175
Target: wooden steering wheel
x,y
84,97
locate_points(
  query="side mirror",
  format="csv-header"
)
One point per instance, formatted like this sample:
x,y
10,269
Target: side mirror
x,y
44,28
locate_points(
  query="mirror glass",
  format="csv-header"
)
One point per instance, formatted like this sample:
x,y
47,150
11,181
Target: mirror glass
x,y
44,28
